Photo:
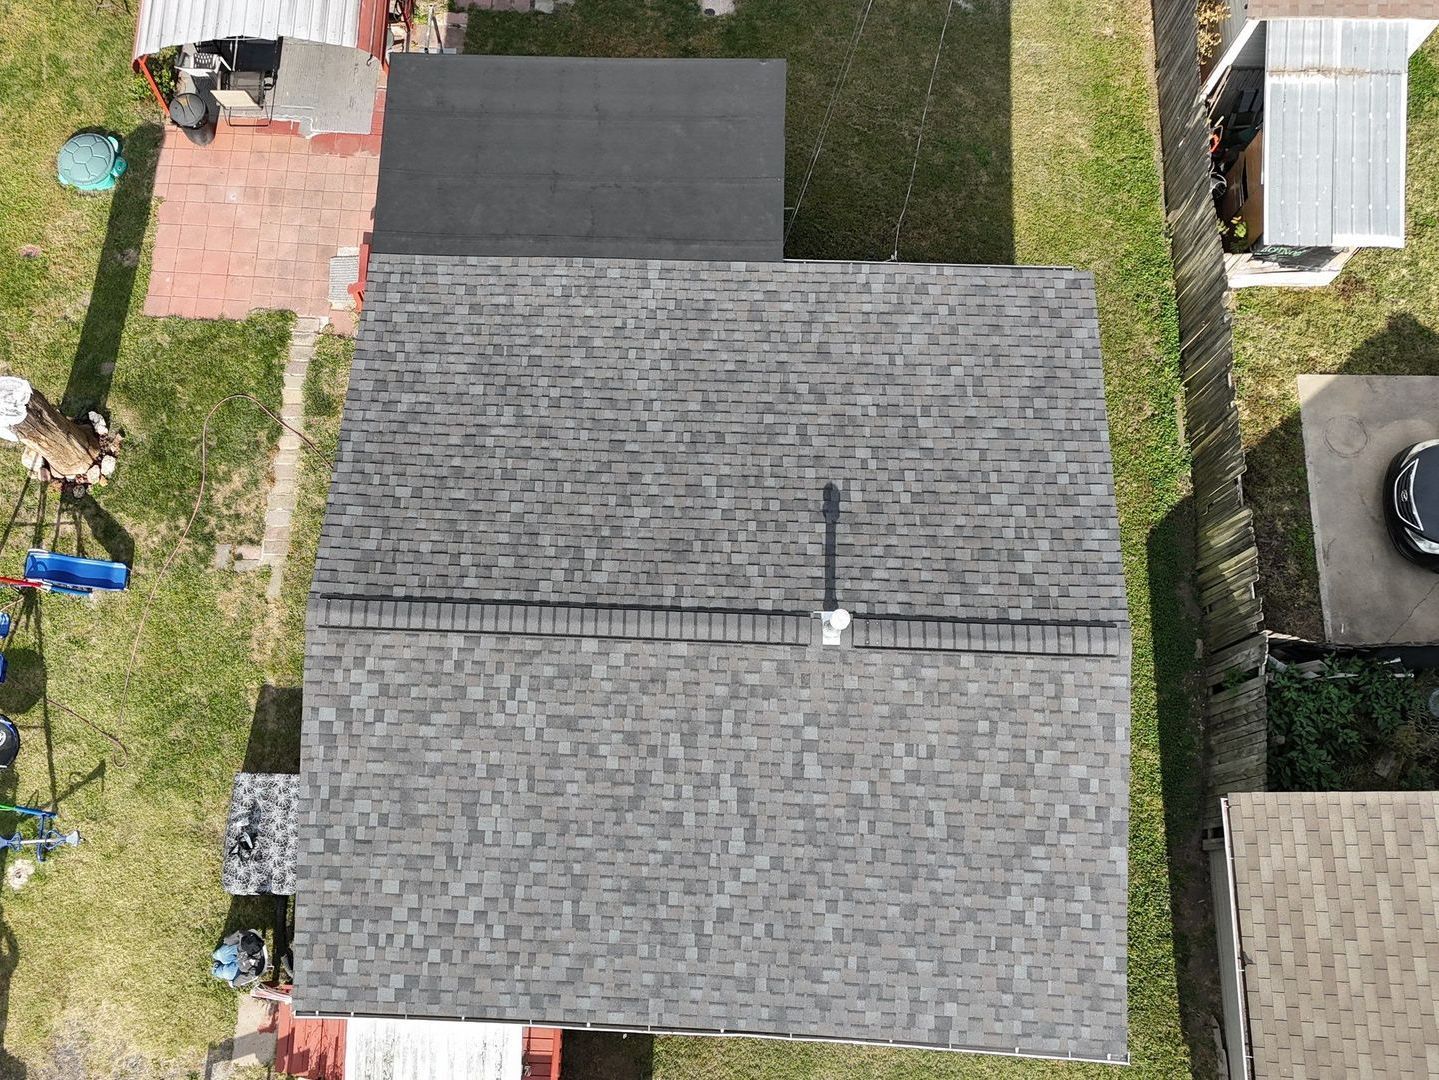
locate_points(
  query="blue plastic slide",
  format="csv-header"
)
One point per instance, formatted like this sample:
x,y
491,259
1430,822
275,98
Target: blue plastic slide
x,y
73,572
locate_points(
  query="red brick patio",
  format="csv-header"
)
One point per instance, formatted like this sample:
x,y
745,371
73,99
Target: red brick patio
x,y
251,221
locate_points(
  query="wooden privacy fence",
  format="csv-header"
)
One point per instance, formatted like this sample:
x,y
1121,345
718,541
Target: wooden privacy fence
x,y
1227,565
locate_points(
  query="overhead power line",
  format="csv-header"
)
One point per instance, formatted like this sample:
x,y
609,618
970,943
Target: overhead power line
x,y
919,140
829,111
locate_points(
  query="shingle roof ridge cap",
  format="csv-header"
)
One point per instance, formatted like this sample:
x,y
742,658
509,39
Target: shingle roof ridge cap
x,y
427,613
1277,800
1009,269
1114,621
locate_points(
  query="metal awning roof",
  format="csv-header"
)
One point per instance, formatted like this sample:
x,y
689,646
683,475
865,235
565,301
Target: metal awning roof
x,y
388,1049
1335,93
355,24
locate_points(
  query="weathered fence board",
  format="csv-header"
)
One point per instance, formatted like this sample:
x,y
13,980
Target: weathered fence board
x,y
1227,574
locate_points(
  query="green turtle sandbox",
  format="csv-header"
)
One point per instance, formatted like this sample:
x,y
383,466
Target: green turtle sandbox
x,y
90,162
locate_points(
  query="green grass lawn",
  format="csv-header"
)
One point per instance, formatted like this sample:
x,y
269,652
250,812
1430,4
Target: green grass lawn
x,y
1381,317
1040,148
103,953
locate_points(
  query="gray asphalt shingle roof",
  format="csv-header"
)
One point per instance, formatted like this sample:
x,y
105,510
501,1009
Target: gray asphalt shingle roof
x,y
642,435
573,753
635,159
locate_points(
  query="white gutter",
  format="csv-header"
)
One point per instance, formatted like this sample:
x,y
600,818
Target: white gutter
x,y
1246,1058
1230,55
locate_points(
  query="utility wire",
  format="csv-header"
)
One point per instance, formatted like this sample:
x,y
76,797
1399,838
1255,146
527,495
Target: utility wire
x,y
919,141
829,112
194,513
119,744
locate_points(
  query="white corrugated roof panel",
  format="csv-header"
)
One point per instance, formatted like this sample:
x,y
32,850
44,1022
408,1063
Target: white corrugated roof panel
x,y
432,1050
1335,93
163,23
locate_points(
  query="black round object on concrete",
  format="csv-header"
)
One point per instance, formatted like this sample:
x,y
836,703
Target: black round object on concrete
x,y
9,742
191,115
187,110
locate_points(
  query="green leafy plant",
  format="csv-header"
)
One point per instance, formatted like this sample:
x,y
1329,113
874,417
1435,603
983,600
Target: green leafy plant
x,y
162,70
1327,732
1210,17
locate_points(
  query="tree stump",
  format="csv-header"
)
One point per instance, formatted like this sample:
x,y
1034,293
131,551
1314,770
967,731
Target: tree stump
x,y
70,449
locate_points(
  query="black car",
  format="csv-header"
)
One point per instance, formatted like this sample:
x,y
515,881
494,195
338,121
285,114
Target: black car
x,y
1411,503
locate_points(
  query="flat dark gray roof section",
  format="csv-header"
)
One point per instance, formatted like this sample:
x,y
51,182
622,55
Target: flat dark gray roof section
x,y
547,156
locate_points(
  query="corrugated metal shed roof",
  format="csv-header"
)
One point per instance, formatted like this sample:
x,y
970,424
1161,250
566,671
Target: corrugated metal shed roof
x,y
1341,9
1334,132
163,23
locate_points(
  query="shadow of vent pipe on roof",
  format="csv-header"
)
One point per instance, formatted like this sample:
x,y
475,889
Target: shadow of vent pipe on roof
x,y
831,530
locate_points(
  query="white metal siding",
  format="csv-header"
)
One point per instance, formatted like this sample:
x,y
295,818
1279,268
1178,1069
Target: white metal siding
x,y
432,1050
178,22
1335,94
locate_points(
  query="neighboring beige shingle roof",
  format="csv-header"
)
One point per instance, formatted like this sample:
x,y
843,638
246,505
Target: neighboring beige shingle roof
x,y
1343,9
1338,899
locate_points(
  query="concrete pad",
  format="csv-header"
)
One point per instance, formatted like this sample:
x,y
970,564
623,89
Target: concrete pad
x,y
1353,425
256,1032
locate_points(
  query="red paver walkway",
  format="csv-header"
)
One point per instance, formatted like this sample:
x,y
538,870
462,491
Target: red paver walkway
x,y
252,220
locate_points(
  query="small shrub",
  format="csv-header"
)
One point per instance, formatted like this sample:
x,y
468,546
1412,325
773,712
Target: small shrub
x,y
1326,733
162,70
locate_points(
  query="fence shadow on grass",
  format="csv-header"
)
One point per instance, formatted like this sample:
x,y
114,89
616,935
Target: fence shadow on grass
x,y
113,292
1174,629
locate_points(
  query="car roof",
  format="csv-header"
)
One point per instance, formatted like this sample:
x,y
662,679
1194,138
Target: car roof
x,y
1426,491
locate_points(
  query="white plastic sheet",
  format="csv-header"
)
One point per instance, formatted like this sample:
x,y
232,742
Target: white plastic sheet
x,y
14,397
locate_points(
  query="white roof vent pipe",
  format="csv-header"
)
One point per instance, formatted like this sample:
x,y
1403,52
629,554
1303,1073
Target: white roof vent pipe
x,y
835,623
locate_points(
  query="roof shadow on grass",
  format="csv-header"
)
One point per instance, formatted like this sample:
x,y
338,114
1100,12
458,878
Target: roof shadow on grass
x,y
274,745
1173,616
961,208
607,1055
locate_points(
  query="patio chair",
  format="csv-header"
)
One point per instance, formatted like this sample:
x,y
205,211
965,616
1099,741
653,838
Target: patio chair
x,y
201,64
